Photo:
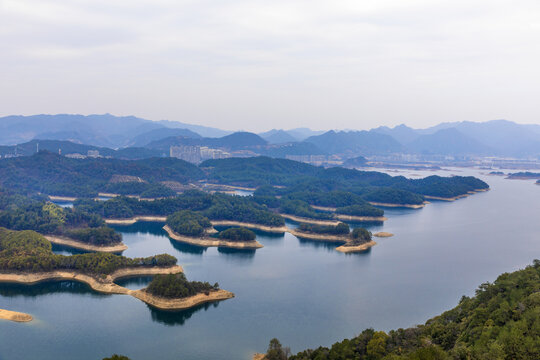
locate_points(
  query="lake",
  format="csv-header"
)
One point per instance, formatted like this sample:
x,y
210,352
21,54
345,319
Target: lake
x,y
304,293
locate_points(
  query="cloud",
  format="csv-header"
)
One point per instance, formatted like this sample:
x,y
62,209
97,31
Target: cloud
x,y
259,64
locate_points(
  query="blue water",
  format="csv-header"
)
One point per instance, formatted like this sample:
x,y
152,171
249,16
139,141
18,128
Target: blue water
x,y
302,292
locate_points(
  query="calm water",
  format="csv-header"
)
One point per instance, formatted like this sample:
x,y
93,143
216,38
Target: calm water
x,y
302,292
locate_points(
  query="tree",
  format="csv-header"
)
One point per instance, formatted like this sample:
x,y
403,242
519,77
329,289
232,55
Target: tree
x,y
376,347
276,351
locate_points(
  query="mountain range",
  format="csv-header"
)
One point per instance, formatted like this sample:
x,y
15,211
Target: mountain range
x,y
491,138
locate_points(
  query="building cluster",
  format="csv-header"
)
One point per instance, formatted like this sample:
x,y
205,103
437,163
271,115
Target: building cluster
x,y
317,160
197,154
89,154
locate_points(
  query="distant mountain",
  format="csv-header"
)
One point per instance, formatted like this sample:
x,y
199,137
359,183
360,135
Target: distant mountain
x,y
161,133
235,141
204,131
67,147
98,130
505,137
293,148
353,143
303,133
448,142
277,137
402,133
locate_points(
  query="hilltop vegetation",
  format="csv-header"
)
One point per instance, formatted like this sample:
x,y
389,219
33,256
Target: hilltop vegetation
x,y
18,212
502,321
53,174
189,223
177,286
237,234
30,251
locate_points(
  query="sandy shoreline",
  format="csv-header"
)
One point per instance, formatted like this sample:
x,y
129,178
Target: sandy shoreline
x,y
15,316
322,237
134,219
183,303
309,221
383,234
410,206
212,242
62,198
273,229
108,286
353,249
83,246
360,218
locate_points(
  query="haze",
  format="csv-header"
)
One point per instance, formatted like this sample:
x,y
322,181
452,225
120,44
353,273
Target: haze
x,y
256,65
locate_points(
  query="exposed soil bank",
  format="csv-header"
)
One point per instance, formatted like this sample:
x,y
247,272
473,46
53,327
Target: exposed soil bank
x,y
106,285
183,303
133,220
322,237
410,206
84,246
62,198
353,249
360,218
207,241
309,221
14,316
383,234
273,229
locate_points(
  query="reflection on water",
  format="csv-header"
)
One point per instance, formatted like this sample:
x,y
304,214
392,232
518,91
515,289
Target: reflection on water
x,y
66,250
135,282
188,248
331,245
47,288
172,318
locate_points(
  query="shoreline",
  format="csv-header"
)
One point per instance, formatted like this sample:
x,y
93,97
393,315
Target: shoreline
x,y
107,285
346,217
383,234
212,242
410,206
57,240
182,303
358,248
15,316
310,221
133,220
272,229
321,237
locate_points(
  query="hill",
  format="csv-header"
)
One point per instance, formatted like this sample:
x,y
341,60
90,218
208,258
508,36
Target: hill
x,y
356,143
68,147
402,133
53,174
448,142
235,141
157,134
277,137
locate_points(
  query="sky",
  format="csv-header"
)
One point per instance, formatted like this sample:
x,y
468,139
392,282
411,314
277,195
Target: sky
x,y
256,65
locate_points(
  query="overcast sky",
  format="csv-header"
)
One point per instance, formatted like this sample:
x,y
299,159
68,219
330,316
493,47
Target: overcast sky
x,y
256,65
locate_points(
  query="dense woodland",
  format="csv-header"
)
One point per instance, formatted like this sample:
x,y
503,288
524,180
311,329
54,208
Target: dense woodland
x,y
19,212
189,223
29,251
177,286
53,174
359,236
237,234
339,229
502,321
212,206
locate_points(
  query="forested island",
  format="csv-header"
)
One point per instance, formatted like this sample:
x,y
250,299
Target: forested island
x,y
502,321
357,240
64,226
26,257
524,175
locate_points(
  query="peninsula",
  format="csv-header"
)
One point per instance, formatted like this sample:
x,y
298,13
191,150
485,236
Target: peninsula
x,y
26,257
15,316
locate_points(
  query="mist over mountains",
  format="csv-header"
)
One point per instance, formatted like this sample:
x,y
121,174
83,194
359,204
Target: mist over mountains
x,y
114,135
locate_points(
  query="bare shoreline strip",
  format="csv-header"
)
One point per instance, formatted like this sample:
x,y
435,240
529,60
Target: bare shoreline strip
x,y
15,316
346,217
83,246
353,249
134,219
212,242
108,286
182,303
322,237
273,229
410,206
310,221
383,234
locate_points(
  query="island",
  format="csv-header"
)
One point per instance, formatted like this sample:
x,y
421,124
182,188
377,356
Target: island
x,y
14,316
356,241
26,257
524,175
193,228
